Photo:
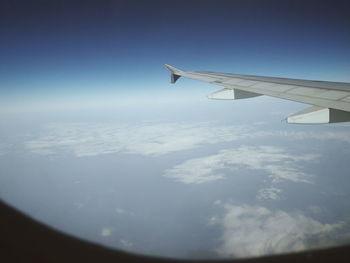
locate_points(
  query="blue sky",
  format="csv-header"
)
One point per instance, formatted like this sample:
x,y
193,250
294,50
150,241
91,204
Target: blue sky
x,y
88,47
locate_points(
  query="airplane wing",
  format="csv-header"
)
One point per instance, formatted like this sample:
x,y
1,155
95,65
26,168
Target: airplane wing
x,y
330,100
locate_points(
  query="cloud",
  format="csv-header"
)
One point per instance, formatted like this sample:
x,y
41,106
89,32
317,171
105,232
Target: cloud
x,y
342,136
106,232
120,211
152,139
83,139
78,205
269,193
155,139
278,163
199,170
255,231
125,244
4,148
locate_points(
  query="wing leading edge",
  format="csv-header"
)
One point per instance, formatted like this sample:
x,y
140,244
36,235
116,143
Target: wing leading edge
x,y
330,100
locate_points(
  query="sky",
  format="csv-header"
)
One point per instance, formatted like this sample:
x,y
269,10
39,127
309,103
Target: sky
x,y
52,49
96,142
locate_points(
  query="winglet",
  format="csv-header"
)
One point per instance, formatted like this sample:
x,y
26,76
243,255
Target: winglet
x,y
175,73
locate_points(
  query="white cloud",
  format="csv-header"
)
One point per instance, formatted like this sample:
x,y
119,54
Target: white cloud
x,y
106,232
147,138
269,193
84,139
4,148
256,231
125,244
279,164
120,211
199,170
154,139
303,135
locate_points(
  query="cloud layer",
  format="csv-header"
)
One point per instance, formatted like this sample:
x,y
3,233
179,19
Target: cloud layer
x,y
4,148
153,139
342,136
277,163
255,231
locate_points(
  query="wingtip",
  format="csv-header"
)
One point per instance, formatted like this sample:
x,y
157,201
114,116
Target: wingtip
x,y
174,72
171,68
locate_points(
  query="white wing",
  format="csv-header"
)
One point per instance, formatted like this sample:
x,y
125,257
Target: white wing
x,y
331,100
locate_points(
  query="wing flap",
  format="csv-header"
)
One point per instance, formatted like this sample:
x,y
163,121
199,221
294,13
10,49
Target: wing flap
x,y
232,94
319,115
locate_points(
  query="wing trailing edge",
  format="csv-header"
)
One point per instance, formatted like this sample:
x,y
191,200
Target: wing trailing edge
x,y
330,100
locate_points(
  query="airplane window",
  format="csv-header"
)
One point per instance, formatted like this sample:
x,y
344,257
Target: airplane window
x,y
96,142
